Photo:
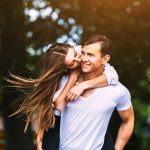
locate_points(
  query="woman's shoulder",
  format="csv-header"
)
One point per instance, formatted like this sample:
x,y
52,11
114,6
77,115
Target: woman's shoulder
x,y
64,80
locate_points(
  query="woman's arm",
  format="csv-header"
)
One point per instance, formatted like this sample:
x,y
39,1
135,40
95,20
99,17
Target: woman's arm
x,y
111,74
109,77
60,102
39,139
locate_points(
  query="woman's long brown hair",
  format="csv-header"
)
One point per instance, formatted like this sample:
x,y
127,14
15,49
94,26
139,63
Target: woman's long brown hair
x,y
40,91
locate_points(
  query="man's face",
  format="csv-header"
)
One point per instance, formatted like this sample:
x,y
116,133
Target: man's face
x,y
72,59
91,58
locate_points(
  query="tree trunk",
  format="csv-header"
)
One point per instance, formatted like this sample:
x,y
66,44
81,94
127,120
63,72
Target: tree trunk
x,y
12,58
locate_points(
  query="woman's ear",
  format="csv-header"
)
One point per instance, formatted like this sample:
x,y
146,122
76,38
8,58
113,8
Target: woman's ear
x,y
105,59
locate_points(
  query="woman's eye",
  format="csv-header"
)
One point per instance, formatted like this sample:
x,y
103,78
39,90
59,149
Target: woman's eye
x,y
71,64
75,54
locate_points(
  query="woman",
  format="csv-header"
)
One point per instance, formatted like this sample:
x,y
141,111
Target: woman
x,y
39,97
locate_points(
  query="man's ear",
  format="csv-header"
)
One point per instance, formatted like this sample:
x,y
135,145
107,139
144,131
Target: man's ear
x,y
105,59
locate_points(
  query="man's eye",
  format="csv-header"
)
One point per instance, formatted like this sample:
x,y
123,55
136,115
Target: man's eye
x,y
91,55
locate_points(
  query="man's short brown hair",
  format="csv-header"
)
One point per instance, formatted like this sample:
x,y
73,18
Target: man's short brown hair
x,y
106,44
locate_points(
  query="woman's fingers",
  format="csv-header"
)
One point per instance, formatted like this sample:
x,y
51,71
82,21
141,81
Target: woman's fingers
x,y
70,97
76,97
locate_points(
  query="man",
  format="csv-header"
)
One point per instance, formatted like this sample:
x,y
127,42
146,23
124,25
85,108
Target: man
x,y
84,122
72,60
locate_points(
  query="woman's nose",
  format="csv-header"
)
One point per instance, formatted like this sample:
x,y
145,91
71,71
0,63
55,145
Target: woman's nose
x,y
78,59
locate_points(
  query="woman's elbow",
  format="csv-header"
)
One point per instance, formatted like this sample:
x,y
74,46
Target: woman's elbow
x,y
59,106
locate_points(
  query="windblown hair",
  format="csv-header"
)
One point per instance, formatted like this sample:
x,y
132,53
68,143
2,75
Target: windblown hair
x,y
40,91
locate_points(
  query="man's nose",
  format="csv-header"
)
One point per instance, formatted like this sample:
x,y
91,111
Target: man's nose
x,y
84,58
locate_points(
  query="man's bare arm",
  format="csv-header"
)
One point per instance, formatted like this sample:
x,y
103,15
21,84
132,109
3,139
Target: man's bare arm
x,y
126,128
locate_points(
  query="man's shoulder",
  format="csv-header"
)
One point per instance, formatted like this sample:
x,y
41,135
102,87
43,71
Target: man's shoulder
x,y
119,88
122,87
123,91
119,85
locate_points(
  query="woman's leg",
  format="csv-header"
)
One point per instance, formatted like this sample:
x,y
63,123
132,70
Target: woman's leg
x,y
108,142
51,137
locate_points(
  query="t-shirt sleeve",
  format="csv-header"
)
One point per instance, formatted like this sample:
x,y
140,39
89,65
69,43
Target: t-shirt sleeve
x,y
63,82
111,74
124,100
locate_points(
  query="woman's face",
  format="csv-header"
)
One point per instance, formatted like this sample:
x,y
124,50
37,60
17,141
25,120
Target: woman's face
x,y
72,59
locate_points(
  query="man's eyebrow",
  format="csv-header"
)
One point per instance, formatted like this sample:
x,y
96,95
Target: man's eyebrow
x,y
87,53
90,53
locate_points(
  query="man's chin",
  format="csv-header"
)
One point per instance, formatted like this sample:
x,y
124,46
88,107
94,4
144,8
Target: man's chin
x,y
85,70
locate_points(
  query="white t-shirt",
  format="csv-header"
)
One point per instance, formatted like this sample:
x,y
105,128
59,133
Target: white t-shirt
x,y
61,87
84,122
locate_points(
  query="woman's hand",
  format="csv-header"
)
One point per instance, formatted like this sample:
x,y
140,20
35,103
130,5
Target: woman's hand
x,y
39,139
76,91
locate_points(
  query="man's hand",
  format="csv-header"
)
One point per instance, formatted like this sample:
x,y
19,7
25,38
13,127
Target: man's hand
x,y
75,91
39,139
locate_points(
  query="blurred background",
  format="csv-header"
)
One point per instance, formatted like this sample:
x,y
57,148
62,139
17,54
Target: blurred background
x,y
29,27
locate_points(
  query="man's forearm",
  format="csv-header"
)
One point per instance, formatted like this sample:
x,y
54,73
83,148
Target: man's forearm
x,y
124,134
